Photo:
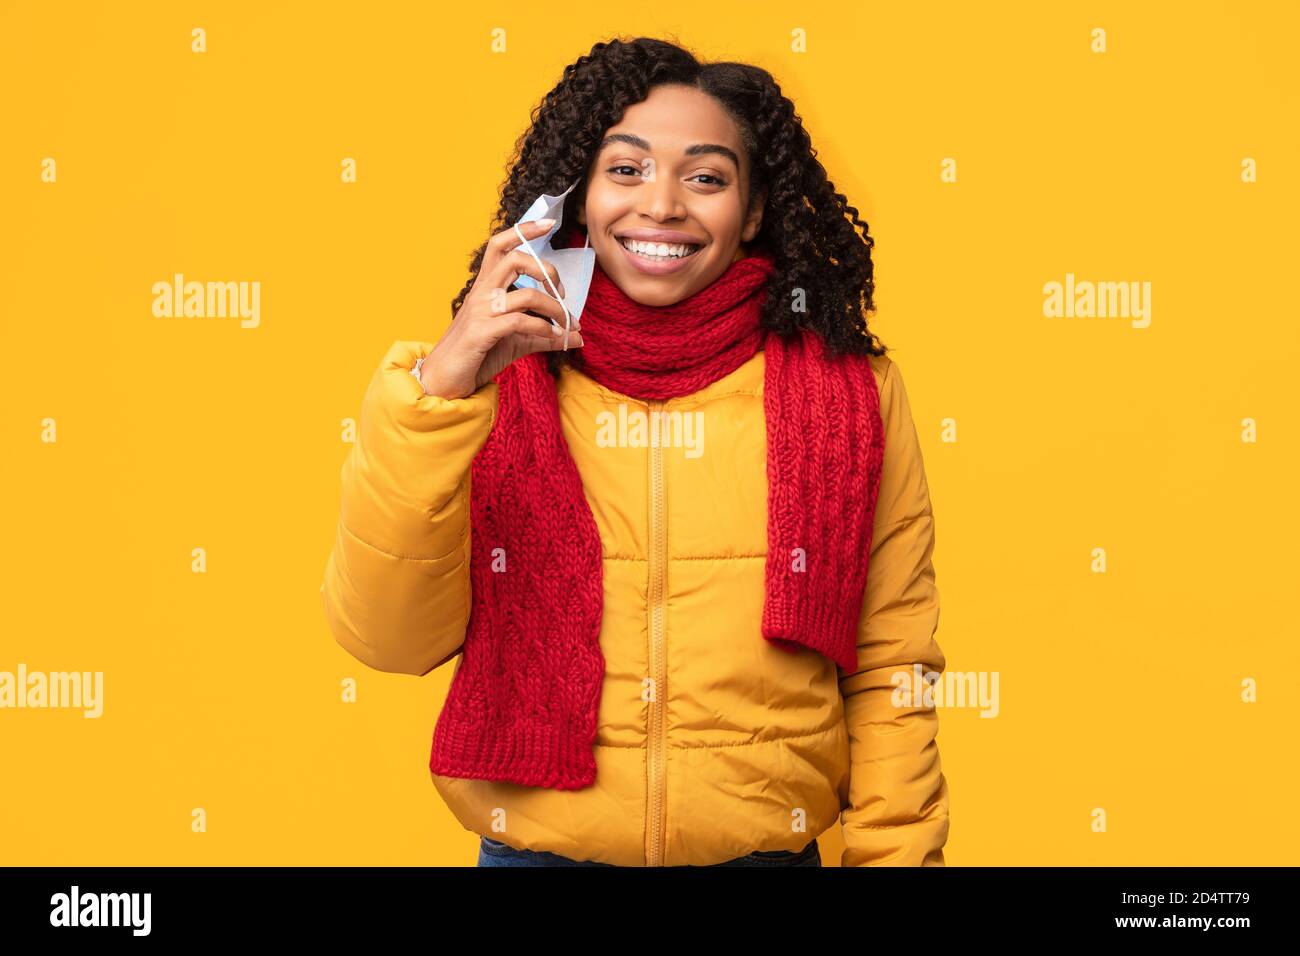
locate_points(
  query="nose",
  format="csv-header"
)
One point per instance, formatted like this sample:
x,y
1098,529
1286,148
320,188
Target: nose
x,y
660,199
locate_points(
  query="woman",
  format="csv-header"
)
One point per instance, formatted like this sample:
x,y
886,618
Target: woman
x,y
648,538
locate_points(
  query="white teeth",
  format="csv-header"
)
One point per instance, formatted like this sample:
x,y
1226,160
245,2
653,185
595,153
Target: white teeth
x,y
659,250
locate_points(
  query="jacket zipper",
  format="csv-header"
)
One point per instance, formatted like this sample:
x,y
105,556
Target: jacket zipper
x,y
655,769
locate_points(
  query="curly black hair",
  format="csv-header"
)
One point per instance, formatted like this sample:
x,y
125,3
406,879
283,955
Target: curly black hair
x,y
808,227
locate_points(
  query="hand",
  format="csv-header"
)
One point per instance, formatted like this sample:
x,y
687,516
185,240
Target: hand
x,y
493,326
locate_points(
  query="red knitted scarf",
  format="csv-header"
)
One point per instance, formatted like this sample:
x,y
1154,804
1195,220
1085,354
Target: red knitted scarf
x,y
523,704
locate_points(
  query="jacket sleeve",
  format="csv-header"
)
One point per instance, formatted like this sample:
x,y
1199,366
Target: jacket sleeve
x,y
897,814
397,585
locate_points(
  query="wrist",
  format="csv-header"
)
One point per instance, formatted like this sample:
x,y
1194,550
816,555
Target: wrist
x,y
429,388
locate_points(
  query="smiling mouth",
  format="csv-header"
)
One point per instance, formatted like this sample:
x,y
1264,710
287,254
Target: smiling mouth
x,y
659,251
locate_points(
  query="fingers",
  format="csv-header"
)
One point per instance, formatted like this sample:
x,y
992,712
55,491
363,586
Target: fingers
x,y
537,335
516,263
508,239
529,300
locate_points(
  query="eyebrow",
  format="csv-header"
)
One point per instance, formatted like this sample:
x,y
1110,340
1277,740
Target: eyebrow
x,y
698,149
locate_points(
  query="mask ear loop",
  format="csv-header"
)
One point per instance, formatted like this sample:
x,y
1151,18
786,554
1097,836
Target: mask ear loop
x,y
568,319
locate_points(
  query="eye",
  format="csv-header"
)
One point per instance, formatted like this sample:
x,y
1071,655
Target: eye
x,y
632,170
717,180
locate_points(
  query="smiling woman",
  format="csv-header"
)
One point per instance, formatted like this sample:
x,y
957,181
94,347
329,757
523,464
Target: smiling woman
x,y
664,658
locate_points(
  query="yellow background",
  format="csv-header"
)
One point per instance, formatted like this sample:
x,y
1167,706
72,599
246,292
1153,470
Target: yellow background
x,y
222,690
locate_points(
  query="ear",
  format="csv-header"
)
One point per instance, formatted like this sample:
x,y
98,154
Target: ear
x,y
754,219
579,198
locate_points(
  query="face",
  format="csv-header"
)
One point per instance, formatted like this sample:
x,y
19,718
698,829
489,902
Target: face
x,y
667,204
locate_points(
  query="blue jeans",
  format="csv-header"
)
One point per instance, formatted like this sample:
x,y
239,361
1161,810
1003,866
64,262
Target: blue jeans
x,y
495,853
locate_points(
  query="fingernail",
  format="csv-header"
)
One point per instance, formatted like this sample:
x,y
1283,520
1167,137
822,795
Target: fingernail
x,y
556,329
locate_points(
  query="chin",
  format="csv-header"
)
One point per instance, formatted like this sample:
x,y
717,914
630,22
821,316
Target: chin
x,y
654,293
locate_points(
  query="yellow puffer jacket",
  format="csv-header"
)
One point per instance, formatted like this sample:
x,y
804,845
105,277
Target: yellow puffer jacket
x,y
747,747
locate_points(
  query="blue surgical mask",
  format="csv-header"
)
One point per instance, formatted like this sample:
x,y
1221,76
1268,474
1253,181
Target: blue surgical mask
x,y
574,266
